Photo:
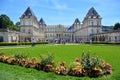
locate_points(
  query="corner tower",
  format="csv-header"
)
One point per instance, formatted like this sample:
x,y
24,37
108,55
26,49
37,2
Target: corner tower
x,y
42,24
76,24
28,22
92,19
30,25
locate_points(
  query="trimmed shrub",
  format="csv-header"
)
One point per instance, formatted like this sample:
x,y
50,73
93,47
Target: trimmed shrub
x,y
102,42
19,43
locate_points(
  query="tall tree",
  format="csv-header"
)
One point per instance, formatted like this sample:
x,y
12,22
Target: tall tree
x,y
5,22
117,26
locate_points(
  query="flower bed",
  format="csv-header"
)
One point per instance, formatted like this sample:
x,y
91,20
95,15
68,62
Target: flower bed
x,y
87,65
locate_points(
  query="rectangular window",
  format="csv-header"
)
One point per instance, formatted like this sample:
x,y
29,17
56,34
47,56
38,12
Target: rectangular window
x,y
1,39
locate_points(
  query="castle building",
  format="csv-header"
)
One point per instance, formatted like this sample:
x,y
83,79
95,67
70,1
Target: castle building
x,y
80,30
88,29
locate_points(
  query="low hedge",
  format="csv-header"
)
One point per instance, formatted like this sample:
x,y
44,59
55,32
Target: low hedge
x,y
19,43
110,43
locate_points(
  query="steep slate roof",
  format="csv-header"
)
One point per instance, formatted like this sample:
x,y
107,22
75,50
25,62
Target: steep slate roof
x,y
41,21
28,13
76,21
92,13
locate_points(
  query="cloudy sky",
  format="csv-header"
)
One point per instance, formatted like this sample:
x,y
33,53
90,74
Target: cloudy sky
x,y
62,11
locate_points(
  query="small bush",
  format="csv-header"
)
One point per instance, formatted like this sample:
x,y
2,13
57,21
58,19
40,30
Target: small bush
x,y
1,53
49,60
76,69
89,62
20,56
94,66
62,69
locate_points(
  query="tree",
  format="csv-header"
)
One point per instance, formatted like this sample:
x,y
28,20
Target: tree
x,y
6,23
17,24
117,26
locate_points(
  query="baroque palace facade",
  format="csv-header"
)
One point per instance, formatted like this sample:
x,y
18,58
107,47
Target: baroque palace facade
x,y
89,29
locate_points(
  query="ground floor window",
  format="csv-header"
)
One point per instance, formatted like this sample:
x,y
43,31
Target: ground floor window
x,y
1,38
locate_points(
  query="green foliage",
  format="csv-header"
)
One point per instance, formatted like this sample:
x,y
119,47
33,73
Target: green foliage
x,y
117,26
89,62
5,22
49,60
20,56
17,24
95,62
1,53
92,65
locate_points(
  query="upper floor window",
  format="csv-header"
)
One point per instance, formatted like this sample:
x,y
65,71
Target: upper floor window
x,y
23,22
29,22
98,22
97,30
92,23
23,30
29,31
92,31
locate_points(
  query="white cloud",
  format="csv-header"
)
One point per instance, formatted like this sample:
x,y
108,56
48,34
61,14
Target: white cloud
x,y
49,4
57,4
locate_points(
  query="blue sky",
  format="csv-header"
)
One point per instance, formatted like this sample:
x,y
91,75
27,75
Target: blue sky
x,y
62,11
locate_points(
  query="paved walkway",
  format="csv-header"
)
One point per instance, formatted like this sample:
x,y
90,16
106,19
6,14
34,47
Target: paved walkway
x,y
27,46
8,47
22,46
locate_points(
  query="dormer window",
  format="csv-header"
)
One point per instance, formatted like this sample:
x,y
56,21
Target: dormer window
x,y
89,17
94,16
29,14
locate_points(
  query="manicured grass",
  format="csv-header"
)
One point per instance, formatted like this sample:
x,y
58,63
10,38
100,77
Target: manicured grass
x,y
67,53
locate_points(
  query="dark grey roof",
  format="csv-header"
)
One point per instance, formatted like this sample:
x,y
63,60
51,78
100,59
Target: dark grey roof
x,y
41,21
111,27
107,28
3,30
76,21
92,13
28,13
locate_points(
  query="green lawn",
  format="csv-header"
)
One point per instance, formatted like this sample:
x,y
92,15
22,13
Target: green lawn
x,y
67,53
